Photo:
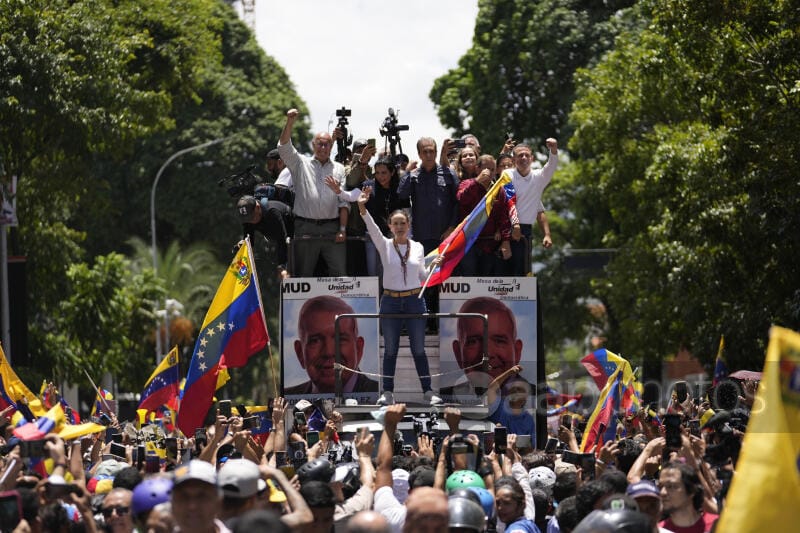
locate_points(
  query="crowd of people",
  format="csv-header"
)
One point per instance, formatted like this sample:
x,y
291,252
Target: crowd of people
x,y
654,476
329,237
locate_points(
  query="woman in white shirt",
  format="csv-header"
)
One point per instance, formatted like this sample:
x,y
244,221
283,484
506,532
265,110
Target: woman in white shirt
x,y
404,272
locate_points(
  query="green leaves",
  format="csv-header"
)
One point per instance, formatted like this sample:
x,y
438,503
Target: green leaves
x,y
680,130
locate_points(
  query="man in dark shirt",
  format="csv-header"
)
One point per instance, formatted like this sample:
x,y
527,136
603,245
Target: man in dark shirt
x,y
272,219
432,189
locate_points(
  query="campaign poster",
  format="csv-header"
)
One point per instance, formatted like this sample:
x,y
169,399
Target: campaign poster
x,y
308,353
510,303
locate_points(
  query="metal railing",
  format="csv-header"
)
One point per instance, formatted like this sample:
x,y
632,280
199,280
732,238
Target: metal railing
x,y
484,318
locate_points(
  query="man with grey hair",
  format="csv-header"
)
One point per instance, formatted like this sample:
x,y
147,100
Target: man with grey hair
x,y
320,216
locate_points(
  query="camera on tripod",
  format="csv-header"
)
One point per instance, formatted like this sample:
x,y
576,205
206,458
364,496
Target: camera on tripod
x,y
240,184
347,138
391,130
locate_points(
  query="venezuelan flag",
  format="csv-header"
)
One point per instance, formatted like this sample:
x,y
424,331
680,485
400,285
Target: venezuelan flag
x,y
766,487
602,424
464,236
162,386
234,329
602,363
12,390
52,422
99,405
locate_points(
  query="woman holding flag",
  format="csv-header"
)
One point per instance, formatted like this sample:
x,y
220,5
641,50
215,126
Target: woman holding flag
x,y
404,271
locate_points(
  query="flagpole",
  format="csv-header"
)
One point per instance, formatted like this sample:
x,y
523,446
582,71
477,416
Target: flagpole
x,y
263,315
101,396
430,274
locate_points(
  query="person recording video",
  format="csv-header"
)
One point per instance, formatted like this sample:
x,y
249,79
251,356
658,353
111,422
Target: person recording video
x,y
273,219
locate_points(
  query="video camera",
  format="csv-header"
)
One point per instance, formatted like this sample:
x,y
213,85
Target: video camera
x,y
241,183
347,138
391,130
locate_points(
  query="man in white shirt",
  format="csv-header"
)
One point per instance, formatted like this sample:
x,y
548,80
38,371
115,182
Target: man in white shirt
x,y
320,217
529,184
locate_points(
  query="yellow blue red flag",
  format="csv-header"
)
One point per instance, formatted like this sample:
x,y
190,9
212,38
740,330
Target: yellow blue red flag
x,y
461,239
766,486
162,386
234,329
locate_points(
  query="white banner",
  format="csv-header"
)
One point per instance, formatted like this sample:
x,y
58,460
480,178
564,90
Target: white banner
x,y
510,304
308,337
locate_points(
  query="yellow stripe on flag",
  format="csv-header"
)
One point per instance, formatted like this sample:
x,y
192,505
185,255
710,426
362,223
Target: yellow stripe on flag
x,y
765,490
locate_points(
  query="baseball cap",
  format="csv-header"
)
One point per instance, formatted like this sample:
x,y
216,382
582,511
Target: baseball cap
x,y
707,415
238,478
246,206
643,488
273,154
195,470
561,467
400,484
542,477
302,405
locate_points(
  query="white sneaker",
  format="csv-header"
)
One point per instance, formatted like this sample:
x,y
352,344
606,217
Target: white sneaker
x,y
433,398
387,398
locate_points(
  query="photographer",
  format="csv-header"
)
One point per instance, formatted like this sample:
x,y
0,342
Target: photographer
x,y
357,172
278,171
271,218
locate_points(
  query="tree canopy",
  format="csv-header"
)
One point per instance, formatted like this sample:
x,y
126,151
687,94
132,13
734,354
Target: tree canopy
x,y
517,76
96,96
678,119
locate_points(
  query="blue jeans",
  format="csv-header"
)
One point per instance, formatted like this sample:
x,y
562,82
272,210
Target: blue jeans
x,y
416,335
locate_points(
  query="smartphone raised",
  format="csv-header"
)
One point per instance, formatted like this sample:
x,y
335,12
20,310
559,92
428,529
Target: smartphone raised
x,y
524,442
551,445
118,450
140,455
225,408
297,452
116,437
152,464
200,437
280,458
587,464
568,456
312,437
171,446
10,510
300,419
32,448
250,422
488,441
672,434
500,439
681,391
566,420
694,427
459,143
371,142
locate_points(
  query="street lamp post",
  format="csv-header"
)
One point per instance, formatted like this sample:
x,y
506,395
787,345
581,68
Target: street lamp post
x,y
174,156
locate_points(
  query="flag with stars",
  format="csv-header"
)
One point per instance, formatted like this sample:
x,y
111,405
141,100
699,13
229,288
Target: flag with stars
x,y
234,329
162,387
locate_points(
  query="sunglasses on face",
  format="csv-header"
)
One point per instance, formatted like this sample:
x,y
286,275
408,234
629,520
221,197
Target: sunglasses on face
x,y
121,511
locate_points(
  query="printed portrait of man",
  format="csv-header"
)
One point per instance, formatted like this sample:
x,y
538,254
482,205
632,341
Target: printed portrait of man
x,y
504,345
315,348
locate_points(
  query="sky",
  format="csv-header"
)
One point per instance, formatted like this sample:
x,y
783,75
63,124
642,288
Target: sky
x,y
368,55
